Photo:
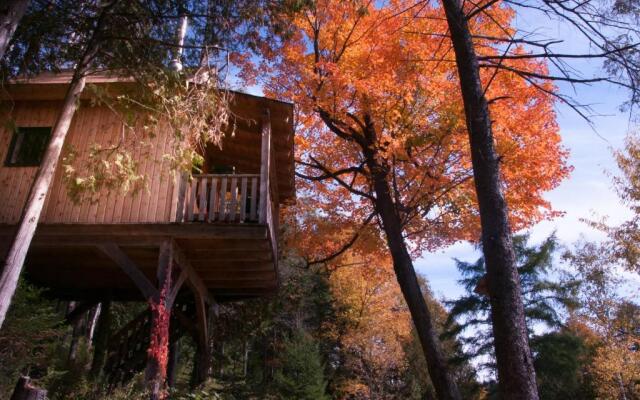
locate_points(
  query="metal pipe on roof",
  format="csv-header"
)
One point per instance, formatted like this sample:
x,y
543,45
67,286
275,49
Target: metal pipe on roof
x,y
176,62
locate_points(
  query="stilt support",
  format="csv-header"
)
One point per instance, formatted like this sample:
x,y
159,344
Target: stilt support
x,y
158,353
161,300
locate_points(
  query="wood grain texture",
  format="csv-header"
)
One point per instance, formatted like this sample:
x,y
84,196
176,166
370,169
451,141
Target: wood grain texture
x,y
91,126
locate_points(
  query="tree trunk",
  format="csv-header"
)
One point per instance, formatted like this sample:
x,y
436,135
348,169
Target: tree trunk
x,y
75,335
10,15
245,360
24,391
101,339
92,321
31,213
516,374
437,363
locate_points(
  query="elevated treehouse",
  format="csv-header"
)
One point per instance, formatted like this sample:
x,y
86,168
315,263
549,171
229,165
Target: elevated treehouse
x,y
216,232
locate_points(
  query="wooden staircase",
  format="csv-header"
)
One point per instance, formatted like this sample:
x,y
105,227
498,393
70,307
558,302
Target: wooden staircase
x,y
127,348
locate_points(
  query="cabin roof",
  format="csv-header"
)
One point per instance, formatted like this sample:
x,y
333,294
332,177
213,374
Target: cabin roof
x,y
247,109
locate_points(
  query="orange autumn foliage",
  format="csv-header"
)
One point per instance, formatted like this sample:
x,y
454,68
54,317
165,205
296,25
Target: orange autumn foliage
x,y
376,325
392,61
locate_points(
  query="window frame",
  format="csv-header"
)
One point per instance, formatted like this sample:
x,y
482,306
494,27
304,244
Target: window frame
x,y
14,142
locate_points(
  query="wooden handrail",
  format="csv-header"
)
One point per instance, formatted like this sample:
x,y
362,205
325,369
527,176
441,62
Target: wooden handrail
x,y
226,175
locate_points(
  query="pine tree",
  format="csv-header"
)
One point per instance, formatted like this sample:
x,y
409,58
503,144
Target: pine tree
x,y
543,297
29,338
560,360
302,374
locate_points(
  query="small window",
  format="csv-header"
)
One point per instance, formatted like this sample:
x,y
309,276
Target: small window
x,y
28,146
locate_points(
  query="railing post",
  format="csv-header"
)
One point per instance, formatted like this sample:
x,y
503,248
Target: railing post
x,y
179,193
265,165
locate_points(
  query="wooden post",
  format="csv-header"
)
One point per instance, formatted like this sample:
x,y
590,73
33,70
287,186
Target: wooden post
x,y
202,351
40,188
172,364
265,160
157,357
179,194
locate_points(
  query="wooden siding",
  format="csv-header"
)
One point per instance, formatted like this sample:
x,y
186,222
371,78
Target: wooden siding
x,y
91,125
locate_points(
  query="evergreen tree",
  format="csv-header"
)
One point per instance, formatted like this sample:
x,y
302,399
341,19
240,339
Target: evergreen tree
x,y
543,298
301,376
560,359
28,340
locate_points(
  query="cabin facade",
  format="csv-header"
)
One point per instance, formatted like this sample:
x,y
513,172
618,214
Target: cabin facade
x,y
211,237
222,223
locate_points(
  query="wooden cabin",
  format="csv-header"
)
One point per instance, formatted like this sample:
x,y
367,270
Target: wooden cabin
x,y
215,233
221,226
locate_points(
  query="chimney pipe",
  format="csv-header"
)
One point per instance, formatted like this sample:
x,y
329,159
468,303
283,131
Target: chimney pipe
x,y
176,62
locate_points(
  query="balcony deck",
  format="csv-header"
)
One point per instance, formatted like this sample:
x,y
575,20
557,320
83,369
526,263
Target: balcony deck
x,y
233,260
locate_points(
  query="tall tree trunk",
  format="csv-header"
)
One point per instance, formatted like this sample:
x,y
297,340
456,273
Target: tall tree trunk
x,y
245,359
101,339
437,363
92,321
10,15
75,335
516,375
33,208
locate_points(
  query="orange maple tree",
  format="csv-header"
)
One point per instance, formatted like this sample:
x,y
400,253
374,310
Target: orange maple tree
x,y
391,63
381,141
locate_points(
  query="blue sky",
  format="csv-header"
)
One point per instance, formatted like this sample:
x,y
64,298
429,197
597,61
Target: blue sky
x,y
588,192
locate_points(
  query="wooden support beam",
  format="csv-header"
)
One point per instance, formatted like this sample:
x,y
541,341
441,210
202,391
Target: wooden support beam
x,y
151,234
165,261
193,278
115,253
203,354
155,373
171,298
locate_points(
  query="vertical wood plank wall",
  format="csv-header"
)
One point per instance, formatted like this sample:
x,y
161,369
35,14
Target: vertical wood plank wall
x,y
91,125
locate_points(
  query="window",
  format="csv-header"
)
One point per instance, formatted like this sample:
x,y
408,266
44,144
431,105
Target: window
x,y
28,146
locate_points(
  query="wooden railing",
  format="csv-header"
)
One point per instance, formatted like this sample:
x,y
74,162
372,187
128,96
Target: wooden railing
x,y
221,198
